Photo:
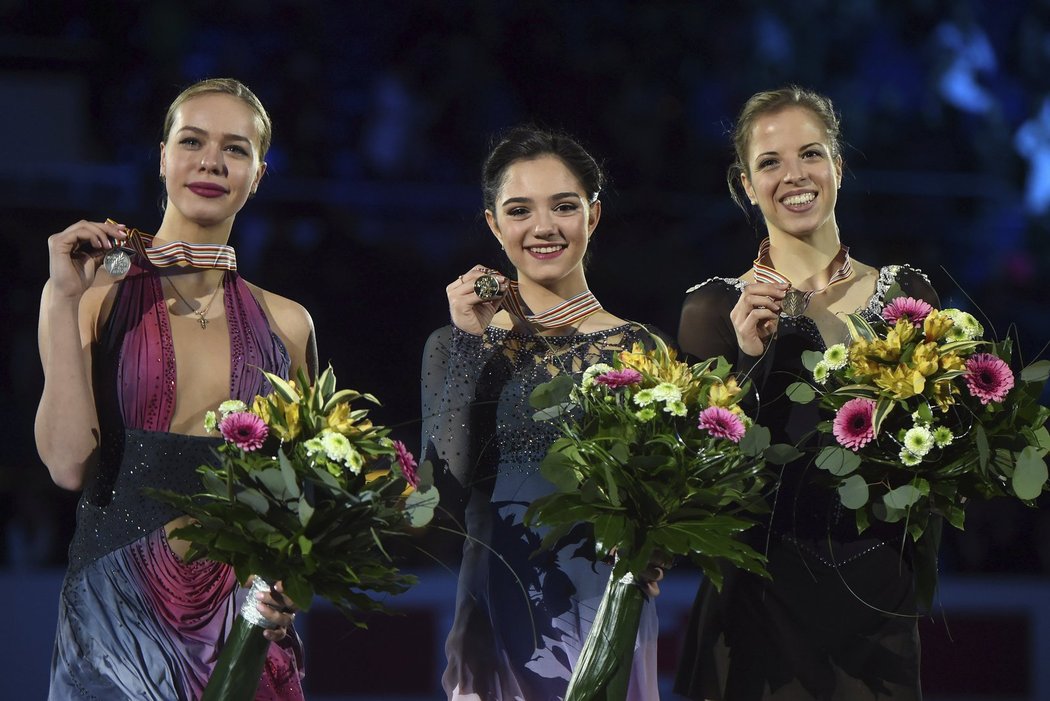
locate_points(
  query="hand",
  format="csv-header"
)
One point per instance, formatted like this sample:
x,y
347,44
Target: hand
x,y
277,608
654,573
76,252
756,315
469,312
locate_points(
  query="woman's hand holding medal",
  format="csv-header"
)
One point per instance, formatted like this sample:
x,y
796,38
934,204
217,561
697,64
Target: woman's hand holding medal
x,y
756,314
76,253
475,297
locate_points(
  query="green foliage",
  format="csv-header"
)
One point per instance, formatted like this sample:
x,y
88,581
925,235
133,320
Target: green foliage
x,y
646,477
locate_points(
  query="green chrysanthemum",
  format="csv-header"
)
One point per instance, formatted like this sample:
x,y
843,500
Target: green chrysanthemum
x,y
676,408
647,414
230,406
336,445
820,372
644,397
908,458
918,440
211,421
836,356
667,392
943,436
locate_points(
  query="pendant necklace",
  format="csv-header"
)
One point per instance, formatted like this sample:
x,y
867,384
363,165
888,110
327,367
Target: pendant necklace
x,y
203,311
796,301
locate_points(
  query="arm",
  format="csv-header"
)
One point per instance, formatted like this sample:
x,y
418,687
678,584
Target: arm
x,y
67,424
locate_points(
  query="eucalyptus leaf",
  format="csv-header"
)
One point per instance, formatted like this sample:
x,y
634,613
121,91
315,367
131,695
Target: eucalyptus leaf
x,y
853,492
254,499
1038,371
556,391
800,392
810,358
837,460
755,441
552,412
902,497
782,453
1030,473
419,506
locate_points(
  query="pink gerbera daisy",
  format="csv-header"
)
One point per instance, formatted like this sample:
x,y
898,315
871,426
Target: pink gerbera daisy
x,y
852,426
988,378
244,429
407,463
914,310
619,378
722,423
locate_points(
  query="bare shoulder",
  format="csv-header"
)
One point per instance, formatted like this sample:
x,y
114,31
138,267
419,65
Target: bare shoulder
x,y
285,313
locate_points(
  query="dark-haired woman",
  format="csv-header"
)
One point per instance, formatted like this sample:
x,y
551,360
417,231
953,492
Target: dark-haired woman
x,y
521,618
838,619
136,348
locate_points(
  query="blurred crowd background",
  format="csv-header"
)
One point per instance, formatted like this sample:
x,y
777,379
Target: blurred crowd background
x,y
383,111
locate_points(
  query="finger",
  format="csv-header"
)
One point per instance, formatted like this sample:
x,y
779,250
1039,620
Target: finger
x,y
767,289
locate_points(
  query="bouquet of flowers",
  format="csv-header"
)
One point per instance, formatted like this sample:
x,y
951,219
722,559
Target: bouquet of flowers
x,y
658,455
927,415
305,490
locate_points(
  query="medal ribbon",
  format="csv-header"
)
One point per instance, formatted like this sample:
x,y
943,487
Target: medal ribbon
x,y
765,272
568,313
195,255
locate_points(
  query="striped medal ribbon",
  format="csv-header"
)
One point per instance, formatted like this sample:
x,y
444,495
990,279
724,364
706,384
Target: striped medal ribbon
x,y
568,313
796,301
195,255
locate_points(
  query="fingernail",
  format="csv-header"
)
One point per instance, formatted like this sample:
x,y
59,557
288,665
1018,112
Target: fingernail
x,y
259,596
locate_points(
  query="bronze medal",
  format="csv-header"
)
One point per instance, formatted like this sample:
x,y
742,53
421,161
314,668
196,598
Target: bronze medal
x,y
794,303
486,287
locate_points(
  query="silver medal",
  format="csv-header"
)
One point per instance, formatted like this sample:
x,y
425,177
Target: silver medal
x,y
117,261
794,303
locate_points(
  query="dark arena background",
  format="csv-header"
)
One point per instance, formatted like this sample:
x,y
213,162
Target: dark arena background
x,y
371,205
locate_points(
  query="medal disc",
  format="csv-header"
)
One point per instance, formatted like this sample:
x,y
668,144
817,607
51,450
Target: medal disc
x,y
486,287
117,261
794,303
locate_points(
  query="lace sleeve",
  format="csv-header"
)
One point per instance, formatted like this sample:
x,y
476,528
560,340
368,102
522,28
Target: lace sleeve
x,y
452,440
914,283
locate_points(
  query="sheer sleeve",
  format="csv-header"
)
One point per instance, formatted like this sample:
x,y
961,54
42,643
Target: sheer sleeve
x,y
453,362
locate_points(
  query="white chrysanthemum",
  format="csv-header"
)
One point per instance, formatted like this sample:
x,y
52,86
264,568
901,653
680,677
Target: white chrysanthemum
x,y
336,445
836,356
230,406
644,397
918,440
667,392
820,372
593,371
211,421
647,414
354,460
908,458
943,436
676,408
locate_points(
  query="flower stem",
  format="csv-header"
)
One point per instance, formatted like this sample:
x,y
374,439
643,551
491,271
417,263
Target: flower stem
x,y
603,671
240,664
